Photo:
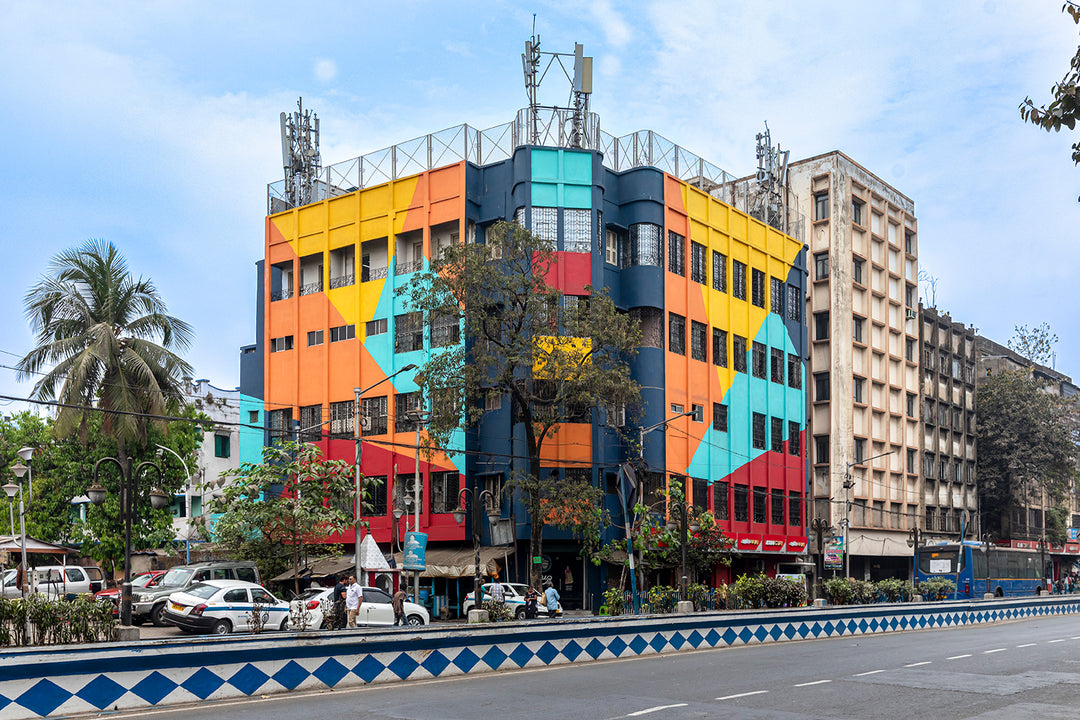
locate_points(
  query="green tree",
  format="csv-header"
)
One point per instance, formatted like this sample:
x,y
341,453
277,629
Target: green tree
x,y
281,512
555,357
1064,109
1035,344
1026,446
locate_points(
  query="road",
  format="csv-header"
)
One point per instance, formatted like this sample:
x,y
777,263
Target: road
x,y
1019,670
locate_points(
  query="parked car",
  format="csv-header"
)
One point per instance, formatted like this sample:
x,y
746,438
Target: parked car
x,y
65,581
513,596
8,588
149,603
222,606
376,609
142,580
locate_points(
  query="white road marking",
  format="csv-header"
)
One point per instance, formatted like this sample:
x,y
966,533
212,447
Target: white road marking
x,y
958,657
658,708
1075,637
924,662
742,695
988,652
868,672
1027,645
816,682
1054,641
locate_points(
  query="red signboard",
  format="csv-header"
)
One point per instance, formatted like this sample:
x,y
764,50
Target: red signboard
x,y
774,543
796,545
747,541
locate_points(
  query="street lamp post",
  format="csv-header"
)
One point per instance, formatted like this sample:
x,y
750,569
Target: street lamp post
x,y
914,541
820,526
487,499
10,489
187,501
27,453
988,546
159,500
358,510
1042,563
683,508
849,483
419,418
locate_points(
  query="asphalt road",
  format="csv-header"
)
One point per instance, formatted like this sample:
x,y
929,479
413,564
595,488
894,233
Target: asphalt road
x,y
1019,670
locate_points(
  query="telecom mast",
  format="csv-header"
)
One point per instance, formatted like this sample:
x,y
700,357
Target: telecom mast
x,y
768,200
300,154
572,117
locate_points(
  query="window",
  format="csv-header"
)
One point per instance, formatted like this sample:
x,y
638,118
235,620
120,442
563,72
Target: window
x,y
253,416
821,387
720,500
794,445
492,401
697,263
343,419
738,349
821,266
760,499
821,325
342,332
777,365
375,327
445,489
577,230
445,330
776,296
376,487
280,344
857,390
700,494
794,303
821,449
759,360
719,417
676,253
776,507
611,248
699,334
909,349
677,333
910,296
794,371
857,266
719,347
342,267
310,423
221,446
408,333
911,397
912,461
281,281
699,413
404,405
857,329
646,245
545,224
821,205
860,451
757,296
315,337
795,509
777,434
676,409
928,465
738,279
759,431
719,271
742,512
909,246
857,208
373,411
280,423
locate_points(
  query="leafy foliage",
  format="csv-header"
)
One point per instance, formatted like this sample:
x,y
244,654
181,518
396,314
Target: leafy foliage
x,y
762,591
55,622
551,356
280,512
1035,344
497,611
937,588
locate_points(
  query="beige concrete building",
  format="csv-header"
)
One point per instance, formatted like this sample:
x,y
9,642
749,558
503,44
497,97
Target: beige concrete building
x,y
862,311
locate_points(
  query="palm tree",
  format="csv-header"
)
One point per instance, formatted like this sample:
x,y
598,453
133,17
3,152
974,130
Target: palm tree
x,y
104,339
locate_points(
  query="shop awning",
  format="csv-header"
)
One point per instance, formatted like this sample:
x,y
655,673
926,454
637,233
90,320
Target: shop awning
x,y
12,545
319,568
459,561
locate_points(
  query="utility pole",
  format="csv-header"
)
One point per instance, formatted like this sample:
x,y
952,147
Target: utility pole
x,y
848,485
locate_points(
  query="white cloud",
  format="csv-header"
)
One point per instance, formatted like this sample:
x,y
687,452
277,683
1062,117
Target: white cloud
x,y
325,70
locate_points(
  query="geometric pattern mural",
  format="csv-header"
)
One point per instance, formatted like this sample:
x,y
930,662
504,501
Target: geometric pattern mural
x,y
58,681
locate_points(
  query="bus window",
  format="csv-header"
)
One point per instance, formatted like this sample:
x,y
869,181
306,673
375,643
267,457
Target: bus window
x,y
979,564
935,561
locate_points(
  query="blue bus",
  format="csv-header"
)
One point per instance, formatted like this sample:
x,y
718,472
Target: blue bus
x,y
1002,571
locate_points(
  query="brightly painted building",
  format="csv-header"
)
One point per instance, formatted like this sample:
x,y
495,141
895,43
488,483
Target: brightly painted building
x,y
720,297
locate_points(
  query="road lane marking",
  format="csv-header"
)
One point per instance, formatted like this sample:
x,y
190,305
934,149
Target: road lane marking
x,y
1054,641
988,652
816,682
1075,637
742,695
924,662
1027,645
958,657
658,708
868,672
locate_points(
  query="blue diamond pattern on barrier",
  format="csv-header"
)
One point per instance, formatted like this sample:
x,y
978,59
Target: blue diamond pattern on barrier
x,y
658,643
330,672
677,640
760,633
572,650
694,639
291,675
730,636
862,626
101,692
547,653
248,679
368,669
466,660
44,697
803,630
638,645
403,665
201,684
775,632
745,635
594,648
435,663
154,687
712,638
616,646
494,657
828,627
521,655
789,631
4,702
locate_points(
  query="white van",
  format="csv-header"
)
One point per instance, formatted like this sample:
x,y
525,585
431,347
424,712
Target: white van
x,y
66,581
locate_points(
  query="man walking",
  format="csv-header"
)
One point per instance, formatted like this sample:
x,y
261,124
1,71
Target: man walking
x,y
398,603
353,598
551,597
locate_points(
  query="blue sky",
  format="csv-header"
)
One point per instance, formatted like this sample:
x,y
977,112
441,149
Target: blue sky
x,y
155,126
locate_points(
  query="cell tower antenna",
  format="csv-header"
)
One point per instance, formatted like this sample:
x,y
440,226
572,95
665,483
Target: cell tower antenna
x,y
769,197
570,122
300,154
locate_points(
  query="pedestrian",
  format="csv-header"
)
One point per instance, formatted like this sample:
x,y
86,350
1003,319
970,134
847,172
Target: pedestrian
x,y
339,603
398,602
531,597
498,599
551,599
353,599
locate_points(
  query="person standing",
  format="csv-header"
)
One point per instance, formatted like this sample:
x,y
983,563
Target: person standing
x,y
340,589
551,598
353,598
398,603
498,598
531,599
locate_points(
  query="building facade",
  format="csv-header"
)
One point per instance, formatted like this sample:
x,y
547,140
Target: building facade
x,y
719,295
862,313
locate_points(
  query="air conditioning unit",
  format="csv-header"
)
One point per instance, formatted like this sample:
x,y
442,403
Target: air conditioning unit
x,y
911,314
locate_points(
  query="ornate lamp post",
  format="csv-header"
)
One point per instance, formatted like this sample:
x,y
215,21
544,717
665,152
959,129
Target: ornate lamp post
x,y
487,499
988,547
914,541
820,526
683,508
159,500
10,489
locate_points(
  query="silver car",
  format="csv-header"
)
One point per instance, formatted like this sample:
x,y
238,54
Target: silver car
x,y
312,607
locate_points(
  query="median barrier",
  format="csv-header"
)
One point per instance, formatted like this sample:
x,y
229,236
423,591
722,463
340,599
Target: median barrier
x,y
90,679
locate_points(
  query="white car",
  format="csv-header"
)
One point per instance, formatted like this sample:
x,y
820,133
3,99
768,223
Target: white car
x,y
7,583
514,597
376,609
224,606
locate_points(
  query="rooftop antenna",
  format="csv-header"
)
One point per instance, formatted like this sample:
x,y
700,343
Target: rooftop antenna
x,y
536,64
300,154
768,203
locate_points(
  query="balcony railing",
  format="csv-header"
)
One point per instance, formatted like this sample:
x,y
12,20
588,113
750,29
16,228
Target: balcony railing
x,y
280,294
311,288
373,273
342,281
409,266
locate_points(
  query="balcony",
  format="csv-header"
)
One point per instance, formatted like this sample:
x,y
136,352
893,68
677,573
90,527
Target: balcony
x,y
342,281
409,266
373,273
